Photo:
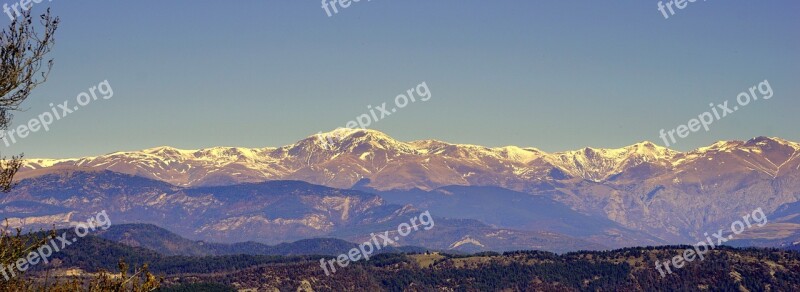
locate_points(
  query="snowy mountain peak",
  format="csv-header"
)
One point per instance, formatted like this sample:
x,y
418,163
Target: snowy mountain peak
x,y
347,133
651,149
360,141
754,144
600,164
524,155
770,141
166,151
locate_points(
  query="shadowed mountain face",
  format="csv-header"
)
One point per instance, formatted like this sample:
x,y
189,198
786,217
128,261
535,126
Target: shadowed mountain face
x,y
783,230
669,195
269,212
509,209
167,243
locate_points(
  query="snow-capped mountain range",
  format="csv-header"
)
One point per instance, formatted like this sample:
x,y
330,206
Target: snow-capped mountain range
x,y
671,195
370,154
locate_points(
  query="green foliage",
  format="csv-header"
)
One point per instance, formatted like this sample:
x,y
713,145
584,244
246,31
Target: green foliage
x,y
16,245
631,269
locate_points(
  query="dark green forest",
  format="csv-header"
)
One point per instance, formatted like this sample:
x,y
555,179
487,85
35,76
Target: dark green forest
x,y
631,269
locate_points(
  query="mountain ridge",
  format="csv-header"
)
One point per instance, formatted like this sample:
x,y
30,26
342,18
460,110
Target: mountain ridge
x,y
674,196
355,154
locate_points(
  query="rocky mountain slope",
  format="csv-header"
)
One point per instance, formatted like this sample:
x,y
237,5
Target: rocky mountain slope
x,y
674,196
269,212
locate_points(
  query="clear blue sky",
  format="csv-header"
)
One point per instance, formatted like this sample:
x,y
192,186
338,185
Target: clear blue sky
x,y
556,75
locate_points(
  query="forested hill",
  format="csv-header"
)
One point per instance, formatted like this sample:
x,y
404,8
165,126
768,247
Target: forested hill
x,y
631,269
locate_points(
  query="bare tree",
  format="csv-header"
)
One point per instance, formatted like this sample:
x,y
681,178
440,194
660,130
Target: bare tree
x,y
22,57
